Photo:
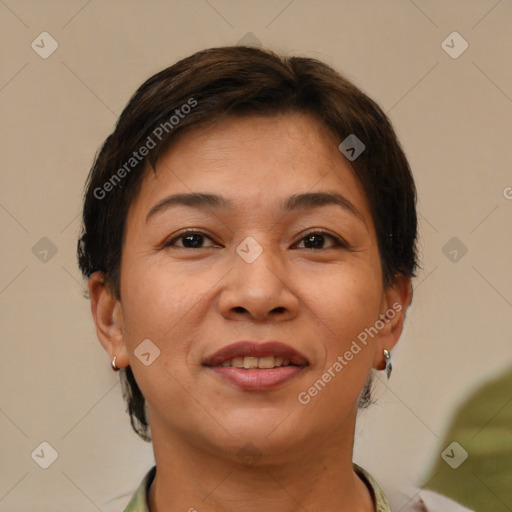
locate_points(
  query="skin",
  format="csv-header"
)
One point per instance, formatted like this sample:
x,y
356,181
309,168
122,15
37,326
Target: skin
x,y
190,302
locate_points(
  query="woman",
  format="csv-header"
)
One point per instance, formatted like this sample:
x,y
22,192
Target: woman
x,y
249,234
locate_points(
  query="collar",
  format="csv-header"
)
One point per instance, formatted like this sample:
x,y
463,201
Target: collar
x,y
139,501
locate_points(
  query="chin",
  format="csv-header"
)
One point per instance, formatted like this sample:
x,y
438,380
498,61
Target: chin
x,y
269,431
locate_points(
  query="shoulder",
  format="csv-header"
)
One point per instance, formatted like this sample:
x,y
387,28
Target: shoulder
x,y
139,501
422,501
378,497
430,501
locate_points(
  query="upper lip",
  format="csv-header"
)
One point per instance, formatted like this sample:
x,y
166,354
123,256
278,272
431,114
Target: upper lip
x,y
255,349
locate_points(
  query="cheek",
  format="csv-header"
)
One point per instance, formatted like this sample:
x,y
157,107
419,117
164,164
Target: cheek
x,y
337,381
345,301
158,304
347,305
166,305
156,298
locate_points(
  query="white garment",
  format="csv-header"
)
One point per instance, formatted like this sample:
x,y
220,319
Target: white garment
x,y
430,501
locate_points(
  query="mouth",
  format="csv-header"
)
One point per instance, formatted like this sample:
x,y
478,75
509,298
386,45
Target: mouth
x,y
252,362
257,366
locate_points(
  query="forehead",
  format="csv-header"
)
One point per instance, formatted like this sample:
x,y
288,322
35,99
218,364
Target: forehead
x,y
255,161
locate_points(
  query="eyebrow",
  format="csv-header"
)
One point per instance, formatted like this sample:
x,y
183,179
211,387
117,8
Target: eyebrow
x,y
305,201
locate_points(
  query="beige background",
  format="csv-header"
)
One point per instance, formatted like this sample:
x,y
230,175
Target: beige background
x,y
454,119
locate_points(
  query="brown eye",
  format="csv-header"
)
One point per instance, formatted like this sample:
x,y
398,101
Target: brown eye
x,y
315,240
190,240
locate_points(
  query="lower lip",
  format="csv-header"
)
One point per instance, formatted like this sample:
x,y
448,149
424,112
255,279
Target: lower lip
x,y
257,380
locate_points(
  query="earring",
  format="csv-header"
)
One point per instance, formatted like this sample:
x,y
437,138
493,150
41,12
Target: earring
x,y
389,366
114,367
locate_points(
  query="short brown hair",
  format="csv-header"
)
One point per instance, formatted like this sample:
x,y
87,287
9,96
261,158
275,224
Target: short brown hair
x,y
221,82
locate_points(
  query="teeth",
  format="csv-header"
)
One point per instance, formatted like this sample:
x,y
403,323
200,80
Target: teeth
x,y
266,362
250,362
237,361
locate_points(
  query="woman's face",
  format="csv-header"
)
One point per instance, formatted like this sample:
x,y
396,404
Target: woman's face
x,y
269,260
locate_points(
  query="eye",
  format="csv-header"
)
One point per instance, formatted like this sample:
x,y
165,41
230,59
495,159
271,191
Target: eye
x,y
191,240
315,240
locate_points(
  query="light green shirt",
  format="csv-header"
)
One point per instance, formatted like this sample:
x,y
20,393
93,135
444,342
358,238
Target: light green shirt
x,y
139,501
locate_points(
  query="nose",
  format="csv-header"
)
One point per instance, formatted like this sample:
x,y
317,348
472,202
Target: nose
x,y
260,290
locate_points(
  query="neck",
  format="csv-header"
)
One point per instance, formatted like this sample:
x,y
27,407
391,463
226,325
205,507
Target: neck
x,y
315,475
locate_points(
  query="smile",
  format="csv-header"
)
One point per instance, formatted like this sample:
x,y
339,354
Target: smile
x,y
252,366
256,362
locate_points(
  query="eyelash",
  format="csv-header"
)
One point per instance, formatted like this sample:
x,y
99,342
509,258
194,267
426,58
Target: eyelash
x,y
338,242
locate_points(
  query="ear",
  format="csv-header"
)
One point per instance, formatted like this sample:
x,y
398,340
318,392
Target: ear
x,y
106,312
396,299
